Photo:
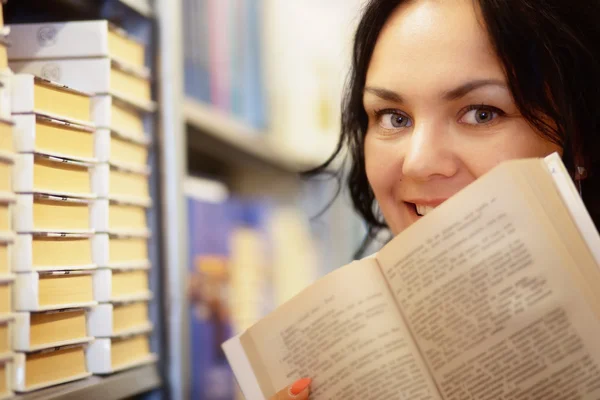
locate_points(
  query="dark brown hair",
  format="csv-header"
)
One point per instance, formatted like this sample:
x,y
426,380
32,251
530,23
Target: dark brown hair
x,y
550,50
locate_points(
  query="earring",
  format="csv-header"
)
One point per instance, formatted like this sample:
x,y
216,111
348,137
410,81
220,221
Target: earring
x,y
579,176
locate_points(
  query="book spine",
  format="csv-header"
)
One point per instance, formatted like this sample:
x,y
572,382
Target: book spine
x,y
213,50
101,110
253,95
99,215
101,180
98,356
102,283
21,331
26,291
23,173
24,133
203,50
58,40
22,93
209,231
23,214
22,254
102,140
100,249
235,33
18,372
74,73
219,53
100,321
189,47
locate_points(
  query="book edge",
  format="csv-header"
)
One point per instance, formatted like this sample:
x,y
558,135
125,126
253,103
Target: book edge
x,y
242,370
574,204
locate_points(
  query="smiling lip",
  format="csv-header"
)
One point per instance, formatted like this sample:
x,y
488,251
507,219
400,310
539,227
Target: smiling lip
x,y
429,203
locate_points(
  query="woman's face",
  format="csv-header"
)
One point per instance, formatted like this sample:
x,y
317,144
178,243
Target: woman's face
x,y
440,112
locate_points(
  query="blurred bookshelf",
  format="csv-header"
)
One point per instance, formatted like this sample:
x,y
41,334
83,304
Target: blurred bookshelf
x,y
241,137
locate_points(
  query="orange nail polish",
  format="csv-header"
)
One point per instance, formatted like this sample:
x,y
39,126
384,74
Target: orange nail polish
x,y
300,385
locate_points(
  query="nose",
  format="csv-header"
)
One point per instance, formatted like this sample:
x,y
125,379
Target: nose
x,y
429,153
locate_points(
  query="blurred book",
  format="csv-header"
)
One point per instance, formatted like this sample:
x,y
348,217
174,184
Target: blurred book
x,y
120,116
120,250
119,216
41,330
209,230
118,285
247,255
49,213
41,173
51,251
122,182
223,57
37,133
41,291
123,318
113,147
109,355
110,77
50,367
75,39
32,94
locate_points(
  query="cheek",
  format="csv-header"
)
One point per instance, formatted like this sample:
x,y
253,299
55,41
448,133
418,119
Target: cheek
x,y
381,167
520,141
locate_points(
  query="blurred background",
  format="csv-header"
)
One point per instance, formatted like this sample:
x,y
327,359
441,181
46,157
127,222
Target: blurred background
x,y
247,95
268,75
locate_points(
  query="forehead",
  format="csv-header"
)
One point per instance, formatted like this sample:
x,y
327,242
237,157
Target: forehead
x,y
433,41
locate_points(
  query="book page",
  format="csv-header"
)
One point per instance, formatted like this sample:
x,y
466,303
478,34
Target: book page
x,y
494,299
344,332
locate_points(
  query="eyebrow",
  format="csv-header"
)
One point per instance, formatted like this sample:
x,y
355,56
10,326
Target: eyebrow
x,y
453,94
467,87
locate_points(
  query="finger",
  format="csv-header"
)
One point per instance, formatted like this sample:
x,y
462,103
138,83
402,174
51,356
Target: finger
x,y
299,390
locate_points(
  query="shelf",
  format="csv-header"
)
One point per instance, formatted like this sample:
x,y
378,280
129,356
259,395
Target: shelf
x,y
142,7
240,138
113,387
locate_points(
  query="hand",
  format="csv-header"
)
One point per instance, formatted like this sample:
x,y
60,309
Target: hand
x,y
299,390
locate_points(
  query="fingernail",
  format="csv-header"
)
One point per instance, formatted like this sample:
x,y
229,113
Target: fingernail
x,y
300,385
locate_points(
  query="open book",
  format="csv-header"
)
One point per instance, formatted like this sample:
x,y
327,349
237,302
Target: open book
x,y
495,294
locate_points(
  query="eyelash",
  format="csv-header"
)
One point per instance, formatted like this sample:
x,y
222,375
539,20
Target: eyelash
x,y
481,107
383,111
461,113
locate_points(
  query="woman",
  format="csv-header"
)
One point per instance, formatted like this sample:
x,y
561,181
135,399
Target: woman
x,y
442,91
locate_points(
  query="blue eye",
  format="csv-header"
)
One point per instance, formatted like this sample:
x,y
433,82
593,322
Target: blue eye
x,y
394,120
480,115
